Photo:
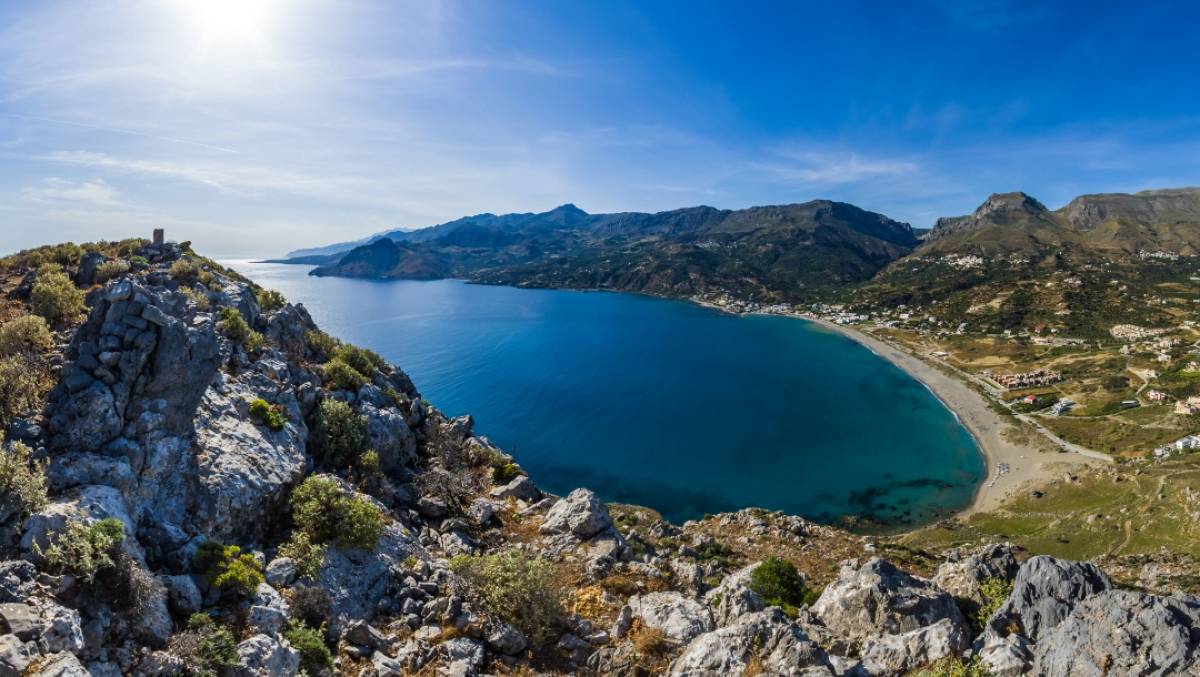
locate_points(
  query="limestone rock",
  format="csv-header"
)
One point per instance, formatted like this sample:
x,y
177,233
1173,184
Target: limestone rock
x,y
678,617
506,640
1117,632
15,656
1044,592
521,488
898,654
878,599
356,580
263,656
734,598
60,665
389,435
580,514
962,574
779,646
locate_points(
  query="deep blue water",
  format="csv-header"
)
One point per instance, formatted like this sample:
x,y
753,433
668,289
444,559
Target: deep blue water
x,y
661,403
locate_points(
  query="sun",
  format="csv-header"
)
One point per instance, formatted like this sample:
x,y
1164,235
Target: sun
x,y
224,24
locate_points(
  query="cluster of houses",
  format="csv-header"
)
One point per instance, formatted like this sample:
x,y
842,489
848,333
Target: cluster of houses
x,y
1181,445
1132,332
1025,379
963,262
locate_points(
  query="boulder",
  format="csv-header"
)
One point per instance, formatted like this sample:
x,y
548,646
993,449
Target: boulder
x,y
580,514
263,656
898,654
520,487
964,571
734,598
17,580
506,640
389,435
678,617
878,599
1118,632
15,656
183,594
281,571
356,580
767,638
59,665
1044,592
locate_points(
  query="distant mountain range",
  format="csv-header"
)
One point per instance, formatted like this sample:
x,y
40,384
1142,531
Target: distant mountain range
x,y
793,252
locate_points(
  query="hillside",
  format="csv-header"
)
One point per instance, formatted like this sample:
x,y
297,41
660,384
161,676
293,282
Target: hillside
x,y
777,252
198,481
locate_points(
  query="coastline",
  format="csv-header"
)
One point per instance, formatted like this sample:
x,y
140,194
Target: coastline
x,y
1027,464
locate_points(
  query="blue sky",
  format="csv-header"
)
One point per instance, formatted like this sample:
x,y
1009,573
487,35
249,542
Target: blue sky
x,y
253,127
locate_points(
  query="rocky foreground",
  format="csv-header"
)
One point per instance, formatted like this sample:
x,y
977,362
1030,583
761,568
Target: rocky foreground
x,y
232,492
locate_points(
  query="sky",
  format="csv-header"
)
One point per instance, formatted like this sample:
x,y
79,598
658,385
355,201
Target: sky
x,y
254,127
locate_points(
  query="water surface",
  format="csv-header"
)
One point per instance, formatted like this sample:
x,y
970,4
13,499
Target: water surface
x,y
661,403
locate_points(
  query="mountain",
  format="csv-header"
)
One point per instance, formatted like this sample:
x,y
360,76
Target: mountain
x,y
1110,224
783,251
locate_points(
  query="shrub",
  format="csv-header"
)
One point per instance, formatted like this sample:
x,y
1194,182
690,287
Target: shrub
x,y
207,648
186,271
198,298
139,261
649,641
111,269
308,556
269,415
84,550
327,514
24,379
22,481
361,360
55,297
26,334
322,345
310,605
994,591
270,300
132,588
340,434
779,584
514,588
228,568
65,254
341,376
505,473
314,654
953,666
235,327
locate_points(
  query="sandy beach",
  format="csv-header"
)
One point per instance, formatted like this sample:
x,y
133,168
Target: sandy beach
x,y
1026,462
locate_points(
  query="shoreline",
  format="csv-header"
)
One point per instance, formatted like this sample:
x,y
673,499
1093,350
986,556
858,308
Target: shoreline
x,y
1027,464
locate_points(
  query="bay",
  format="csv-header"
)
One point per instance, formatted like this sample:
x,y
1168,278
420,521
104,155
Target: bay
x,y
661,403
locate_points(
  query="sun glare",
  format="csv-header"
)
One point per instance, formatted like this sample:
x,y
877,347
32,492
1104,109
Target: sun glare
x,y
228,23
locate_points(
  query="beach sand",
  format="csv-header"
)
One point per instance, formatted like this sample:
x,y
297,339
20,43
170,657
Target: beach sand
x,y
1027,463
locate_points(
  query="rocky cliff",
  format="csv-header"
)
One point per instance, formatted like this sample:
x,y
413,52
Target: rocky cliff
x,y
229,491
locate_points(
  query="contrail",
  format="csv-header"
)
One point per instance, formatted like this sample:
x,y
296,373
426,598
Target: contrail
x,y
122,131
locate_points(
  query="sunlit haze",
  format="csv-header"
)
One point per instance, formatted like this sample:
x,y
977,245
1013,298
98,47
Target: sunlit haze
x,y
254,127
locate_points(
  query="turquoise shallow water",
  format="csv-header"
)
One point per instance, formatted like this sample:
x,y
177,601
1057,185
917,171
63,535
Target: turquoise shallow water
x,y
661,403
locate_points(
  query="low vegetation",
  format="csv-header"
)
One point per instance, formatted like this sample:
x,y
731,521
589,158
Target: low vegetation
x,y
24,380
995,591
238,330
307,555
778,582
84,550
206,647
22,480
270,300
515,588
327,514
340,435
268,414
315,657
54,296
28,334
110,270
228,568
341,376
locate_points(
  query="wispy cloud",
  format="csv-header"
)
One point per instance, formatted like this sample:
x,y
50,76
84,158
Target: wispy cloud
x,y
823,167
94,193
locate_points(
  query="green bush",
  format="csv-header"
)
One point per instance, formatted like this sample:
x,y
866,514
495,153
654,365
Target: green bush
x,y
361,360
308,556
315,657
186,271
55,297
22,481
198,298
270,300
84,550
514,588
228,568
65,254
340,435
269,415
25,334
327,514
235,327
111,269
207,648
779,584
994,591
24,379
322,345
341,376
505,473
953,666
